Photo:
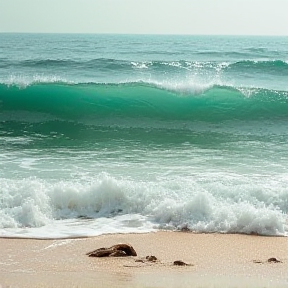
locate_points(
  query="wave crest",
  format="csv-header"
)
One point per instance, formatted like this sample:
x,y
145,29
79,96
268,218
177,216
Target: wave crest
x,y
101,104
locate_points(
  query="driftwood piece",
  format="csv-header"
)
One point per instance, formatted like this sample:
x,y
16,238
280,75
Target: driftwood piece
x,y
118,250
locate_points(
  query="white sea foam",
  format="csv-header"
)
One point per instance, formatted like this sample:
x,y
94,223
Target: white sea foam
x,y
36,208
22,81
185,86
141,65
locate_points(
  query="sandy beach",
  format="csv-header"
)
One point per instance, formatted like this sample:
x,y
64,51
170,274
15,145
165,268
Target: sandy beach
x,y
215,260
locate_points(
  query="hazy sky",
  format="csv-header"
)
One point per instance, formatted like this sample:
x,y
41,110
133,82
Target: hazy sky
x,y
248,17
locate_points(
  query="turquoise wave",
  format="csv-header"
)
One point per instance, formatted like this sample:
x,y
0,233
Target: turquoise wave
x,y
99,102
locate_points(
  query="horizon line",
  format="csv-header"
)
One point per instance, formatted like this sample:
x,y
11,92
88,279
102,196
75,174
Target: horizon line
x,y
149,34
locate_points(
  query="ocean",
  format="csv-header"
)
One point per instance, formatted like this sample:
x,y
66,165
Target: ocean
x,y
136,133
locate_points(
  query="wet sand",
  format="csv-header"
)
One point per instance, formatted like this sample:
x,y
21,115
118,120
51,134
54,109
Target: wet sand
x,y
216,260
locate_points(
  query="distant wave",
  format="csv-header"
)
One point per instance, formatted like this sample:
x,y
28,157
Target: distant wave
x,y
118,64
275,65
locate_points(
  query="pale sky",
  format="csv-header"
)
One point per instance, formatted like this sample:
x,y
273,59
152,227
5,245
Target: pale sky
x,y
222,17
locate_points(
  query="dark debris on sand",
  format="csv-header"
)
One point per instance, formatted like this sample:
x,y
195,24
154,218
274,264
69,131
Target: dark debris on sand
x,y
122,250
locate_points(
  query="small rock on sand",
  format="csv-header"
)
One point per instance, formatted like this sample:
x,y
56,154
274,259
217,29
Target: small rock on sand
x,y
181,263
273,260
151,258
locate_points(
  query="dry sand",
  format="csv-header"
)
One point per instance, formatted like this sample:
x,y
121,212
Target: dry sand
x,y
218,261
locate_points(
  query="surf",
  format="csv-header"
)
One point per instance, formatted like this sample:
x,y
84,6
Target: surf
x,y
105,204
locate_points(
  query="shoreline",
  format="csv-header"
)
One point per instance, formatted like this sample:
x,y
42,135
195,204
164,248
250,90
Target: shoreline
x,y
226,260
